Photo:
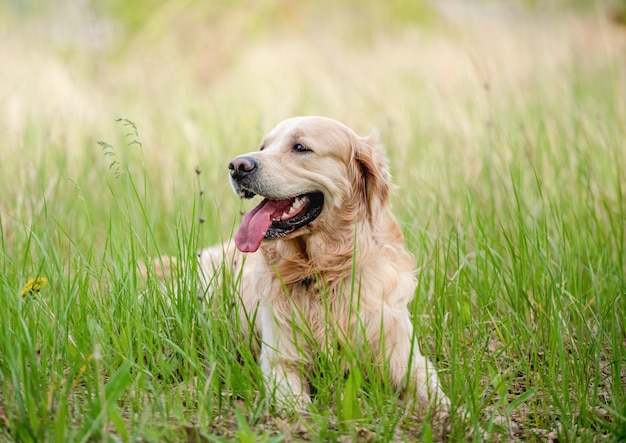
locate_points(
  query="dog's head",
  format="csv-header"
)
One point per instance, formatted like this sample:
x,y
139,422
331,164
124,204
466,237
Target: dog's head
x,y
315,175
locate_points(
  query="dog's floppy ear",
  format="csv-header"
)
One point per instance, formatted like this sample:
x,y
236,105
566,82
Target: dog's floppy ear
x,y
372,175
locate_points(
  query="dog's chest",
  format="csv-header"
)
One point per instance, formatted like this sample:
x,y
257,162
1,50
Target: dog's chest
x,y
325,311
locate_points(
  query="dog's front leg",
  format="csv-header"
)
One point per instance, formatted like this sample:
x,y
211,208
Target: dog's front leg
x,y
408,368
282,365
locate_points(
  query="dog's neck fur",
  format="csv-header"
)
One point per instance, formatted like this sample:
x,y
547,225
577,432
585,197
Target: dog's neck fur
x,y
327,256
330,255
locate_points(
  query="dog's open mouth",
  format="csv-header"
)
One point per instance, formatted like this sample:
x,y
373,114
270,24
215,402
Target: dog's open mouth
x,y
276,218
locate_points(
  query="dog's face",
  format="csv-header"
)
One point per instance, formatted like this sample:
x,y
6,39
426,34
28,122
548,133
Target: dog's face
x,y
314,174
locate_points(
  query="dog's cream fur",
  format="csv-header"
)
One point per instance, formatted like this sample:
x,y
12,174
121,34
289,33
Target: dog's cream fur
x,y
342,281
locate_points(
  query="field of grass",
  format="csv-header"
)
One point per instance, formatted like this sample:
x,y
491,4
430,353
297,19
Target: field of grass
x,y
505,128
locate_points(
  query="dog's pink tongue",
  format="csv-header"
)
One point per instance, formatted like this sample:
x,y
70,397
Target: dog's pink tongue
x,y
254,225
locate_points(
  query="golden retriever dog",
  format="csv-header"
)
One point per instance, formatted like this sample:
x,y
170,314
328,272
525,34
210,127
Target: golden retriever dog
x,y
321,261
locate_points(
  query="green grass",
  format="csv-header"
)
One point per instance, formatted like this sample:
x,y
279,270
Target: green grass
x,y
511,194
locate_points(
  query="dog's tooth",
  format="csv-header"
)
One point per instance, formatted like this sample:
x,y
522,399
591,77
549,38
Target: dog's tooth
x,y
297,203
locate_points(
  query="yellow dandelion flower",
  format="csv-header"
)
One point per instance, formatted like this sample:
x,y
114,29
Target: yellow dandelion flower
x,y
34,285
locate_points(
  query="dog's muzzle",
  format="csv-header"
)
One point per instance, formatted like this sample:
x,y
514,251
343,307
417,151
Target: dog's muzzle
x,y
242,169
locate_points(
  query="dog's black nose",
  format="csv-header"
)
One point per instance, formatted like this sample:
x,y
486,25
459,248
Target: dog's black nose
x,y
242,166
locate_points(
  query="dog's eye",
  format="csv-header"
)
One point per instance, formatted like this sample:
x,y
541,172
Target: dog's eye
x,y
299,147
